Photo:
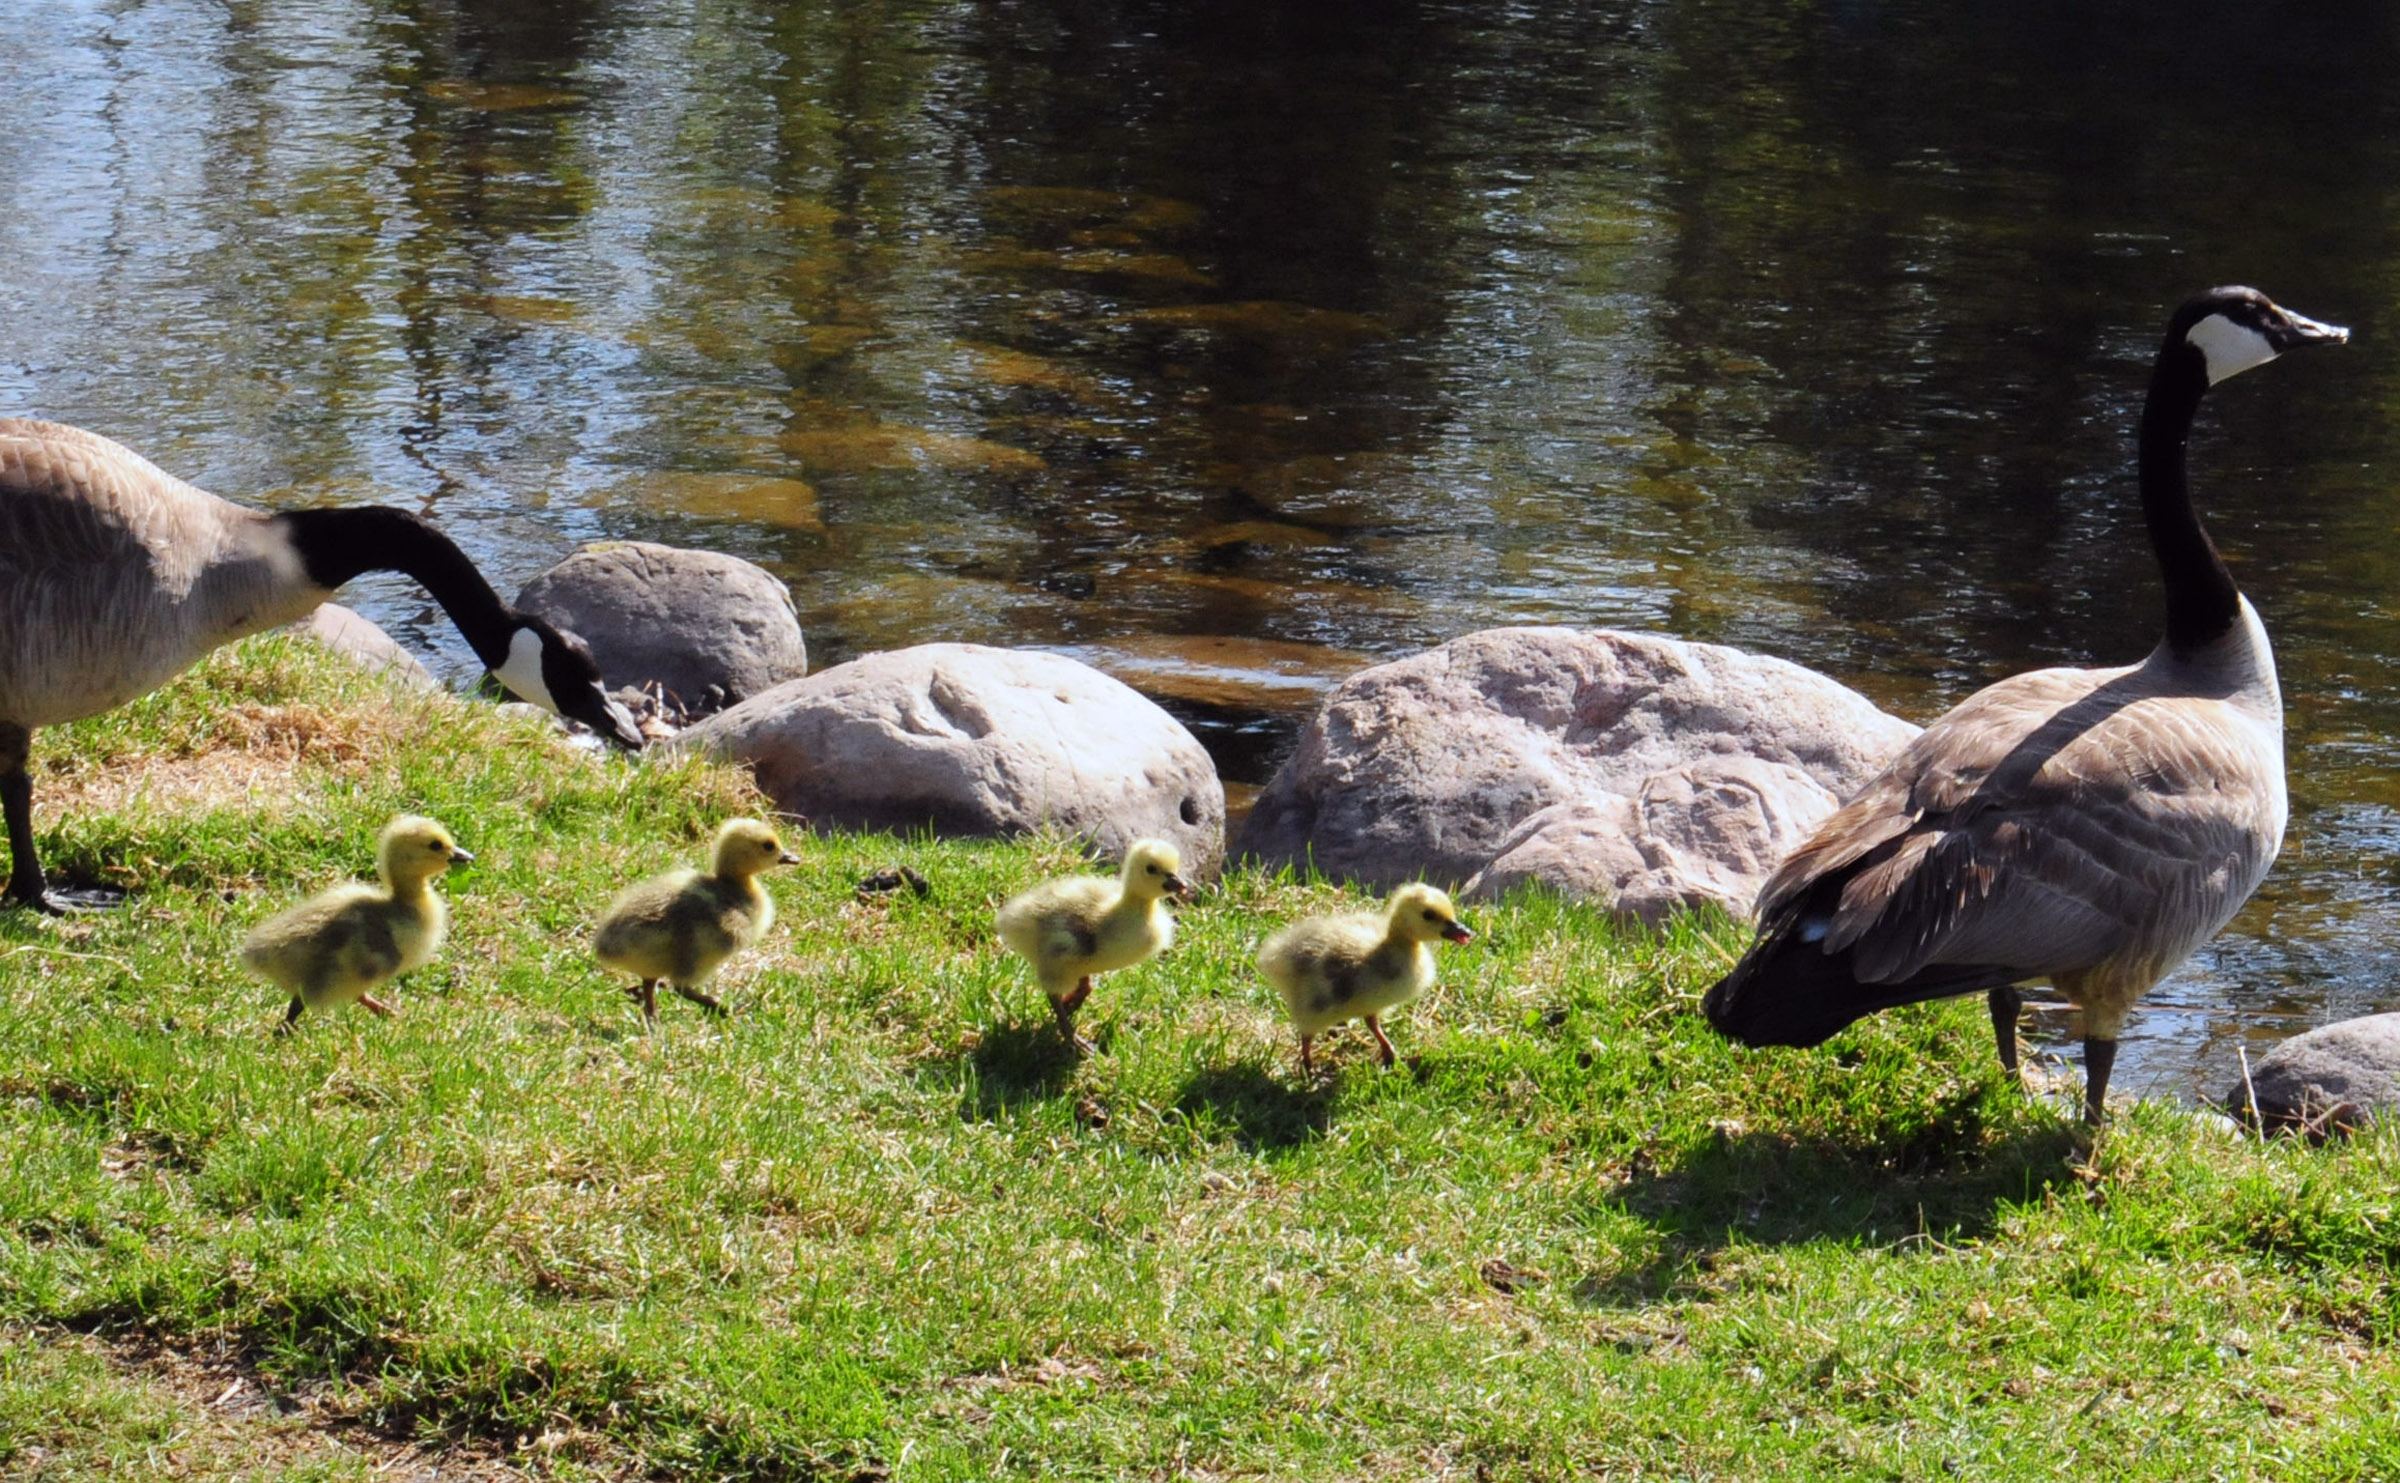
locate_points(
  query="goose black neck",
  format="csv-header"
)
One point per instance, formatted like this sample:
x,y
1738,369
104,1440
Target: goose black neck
x,y
336,545
2202,602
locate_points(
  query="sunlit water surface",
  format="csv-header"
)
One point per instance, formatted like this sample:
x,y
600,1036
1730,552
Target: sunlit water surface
x,y
1233,346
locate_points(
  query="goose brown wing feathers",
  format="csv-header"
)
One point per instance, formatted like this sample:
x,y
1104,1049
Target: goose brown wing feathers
x,y
2053,823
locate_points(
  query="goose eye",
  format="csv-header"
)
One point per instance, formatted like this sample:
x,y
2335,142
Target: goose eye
x,y
1431,915
1154,870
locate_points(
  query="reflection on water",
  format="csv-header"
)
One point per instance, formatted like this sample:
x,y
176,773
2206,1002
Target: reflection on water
x,y
1229,346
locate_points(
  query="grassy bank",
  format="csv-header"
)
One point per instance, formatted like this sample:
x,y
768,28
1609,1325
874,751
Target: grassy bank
x,y
875,1224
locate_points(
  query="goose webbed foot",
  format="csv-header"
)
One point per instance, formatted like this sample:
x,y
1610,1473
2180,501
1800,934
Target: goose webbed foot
x,y
1383,1043
68,901
705,1001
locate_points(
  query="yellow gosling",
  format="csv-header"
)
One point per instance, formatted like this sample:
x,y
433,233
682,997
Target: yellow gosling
x,y
1071,929
1331,969
680,927
335,947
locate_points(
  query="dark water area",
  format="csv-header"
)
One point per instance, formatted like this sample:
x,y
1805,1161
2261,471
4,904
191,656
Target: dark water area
x,y
1233,346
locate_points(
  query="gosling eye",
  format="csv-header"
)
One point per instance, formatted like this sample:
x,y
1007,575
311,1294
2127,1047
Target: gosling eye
x,y
1154,870
1431,915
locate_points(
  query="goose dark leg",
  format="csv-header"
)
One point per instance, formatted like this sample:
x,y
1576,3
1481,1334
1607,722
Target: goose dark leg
x,y
645,994
1308,1065
291,1016
375,1006
2006,1005
2099,1058
27,886
1383,1042
705,1001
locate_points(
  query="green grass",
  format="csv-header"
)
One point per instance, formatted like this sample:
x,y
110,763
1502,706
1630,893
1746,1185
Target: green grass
x,y
876,1224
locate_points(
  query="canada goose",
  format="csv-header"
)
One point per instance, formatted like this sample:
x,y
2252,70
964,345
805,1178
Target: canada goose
x,y
1083,925
1331,969
2088,826
682,925
334,947
116,577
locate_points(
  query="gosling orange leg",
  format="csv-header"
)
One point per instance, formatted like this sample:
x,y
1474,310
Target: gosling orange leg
x,y
1383,1042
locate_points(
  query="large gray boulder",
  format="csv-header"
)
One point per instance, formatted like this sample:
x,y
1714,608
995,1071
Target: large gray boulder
x,y
1565,755
364,644
1707,832
979,741
2326,1079
708,630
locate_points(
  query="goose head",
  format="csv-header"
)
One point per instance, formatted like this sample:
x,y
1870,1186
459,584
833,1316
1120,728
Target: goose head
x,y
1150,871
744,847
413,849
552,668
2232,329
1422,913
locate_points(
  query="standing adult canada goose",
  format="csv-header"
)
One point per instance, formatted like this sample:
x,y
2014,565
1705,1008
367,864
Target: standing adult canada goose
x,y
2088,826
116,577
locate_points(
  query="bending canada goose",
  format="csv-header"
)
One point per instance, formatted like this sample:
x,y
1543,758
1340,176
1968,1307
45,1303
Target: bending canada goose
x,y
333,948
1071,929
2088,826
1331,969
116,577
681,926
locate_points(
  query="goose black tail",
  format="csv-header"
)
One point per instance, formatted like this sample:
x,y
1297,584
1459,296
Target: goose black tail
x,y
1788,991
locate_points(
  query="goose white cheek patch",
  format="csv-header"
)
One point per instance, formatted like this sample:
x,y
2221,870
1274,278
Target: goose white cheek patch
x,y
521,671
2228,348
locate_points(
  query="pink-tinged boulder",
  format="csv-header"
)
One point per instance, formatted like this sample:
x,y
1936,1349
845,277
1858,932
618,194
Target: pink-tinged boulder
x,y
1709,832
365,644
705,629
979,741
1437,766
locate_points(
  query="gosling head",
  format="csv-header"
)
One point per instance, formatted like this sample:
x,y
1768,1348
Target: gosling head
x,y
415,849
1422,913
1150,870
2232,329
552,668
745,847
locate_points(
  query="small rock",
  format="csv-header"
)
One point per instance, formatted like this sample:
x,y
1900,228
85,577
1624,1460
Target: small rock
x,y
970,740
706,630
356,639
2328,1080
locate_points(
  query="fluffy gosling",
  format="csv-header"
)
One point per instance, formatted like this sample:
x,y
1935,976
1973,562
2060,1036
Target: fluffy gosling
x,y
1331,969
681,926
1071,929
333,948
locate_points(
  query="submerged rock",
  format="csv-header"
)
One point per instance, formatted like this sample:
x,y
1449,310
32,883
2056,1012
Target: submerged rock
x,y
970,740
1639,770
705,629
2329,1079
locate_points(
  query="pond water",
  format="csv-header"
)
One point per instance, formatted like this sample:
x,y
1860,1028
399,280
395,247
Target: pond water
x,y
1233,346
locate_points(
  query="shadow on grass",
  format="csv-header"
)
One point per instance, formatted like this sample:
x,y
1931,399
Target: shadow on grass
x,y
1260,1110
1945,1180
1013,1065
